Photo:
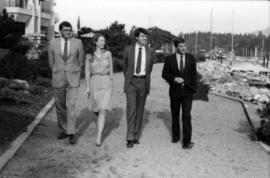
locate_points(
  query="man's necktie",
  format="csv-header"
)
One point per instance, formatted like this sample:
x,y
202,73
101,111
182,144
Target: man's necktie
x,y
65,54
181,64
139,61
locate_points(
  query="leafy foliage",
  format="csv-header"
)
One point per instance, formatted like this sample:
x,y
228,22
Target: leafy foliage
x,y
10,31
242,42
115,35
157,37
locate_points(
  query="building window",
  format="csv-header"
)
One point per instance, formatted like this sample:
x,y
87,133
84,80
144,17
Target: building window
x,y
19,3
16,3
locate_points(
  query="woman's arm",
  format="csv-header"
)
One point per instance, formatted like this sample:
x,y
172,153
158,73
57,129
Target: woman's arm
x,y
87,70
111,65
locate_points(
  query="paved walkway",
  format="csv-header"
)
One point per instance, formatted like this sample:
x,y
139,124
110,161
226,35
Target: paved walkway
x,y
223,147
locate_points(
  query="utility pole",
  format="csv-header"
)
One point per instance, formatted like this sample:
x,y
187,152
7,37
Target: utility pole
x,y
149,22
262,50
232,50
196,43
211,35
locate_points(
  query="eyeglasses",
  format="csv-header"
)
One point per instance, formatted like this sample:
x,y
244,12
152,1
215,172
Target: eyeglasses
x,y
66,30
182,45
143,36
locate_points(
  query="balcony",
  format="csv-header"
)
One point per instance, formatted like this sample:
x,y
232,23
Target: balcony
x,y
19,14
18,9
17,3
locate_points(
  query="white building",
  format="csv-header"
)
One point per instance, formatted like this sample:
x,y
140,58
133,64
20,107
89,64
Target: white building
x,y
37,16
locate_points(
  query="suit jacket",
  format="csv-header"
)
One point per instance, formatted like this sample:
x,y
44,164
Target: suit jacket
x,y
129,62
171,70
69,70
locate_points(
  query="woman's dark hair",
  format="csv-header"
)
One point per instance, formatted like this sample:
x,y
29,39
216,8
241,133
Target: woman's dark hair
x,y
140,30
93,42
64,24
178,40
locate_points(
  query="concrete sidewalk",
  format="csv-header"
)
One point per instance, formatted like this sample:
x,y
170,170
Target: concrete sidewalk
x,y
221,132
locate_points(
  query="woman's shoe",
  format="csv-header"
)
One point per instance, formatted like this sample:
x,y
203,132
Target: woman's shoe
x,y
98,144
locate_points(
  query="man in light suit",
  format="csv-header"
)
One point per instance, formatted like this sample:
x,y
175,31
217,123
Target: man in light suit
x,y
180,72
66,57
138,62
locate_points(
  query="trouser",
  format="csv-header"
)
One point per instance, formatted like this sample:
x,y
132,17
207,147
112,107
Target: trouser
x,y
184,102
65,100
136,97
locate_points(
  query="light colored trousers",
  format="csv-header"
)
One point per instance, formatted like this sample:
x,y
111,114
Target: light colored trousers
x,y
65,102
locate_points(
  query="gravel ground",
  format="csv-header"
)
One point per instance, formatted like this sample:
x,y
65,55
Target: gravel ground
x,y
221,133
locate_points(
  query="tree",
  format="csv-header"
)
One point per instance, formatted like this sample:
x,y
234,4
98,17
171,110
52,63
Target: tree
x,y
116,38
10,31
157,37
84,30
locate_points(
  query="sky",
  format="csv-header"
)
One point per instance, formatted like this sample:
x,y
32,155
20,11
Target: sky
x,y
176,16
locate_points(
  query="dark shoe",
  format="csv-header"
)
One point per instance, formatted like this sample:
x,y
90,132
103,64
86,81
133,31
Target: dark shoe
x,y
175,140
188,145
130,143
98,145
136,142
72,139
62,135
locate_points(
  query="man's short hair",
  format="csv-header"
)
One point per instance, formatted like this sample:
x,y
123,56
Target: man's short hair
x,y
64,24
140,30
178,40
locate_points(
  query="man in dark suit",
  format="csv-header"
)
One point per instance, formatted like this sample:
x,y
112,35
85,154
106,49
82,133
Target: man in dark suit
x,y
180,72
138,62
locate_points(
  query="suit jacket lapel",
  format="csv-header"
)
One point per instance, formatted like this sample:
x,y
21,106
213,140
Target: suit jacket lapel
x,y
147,58
59,46
175,63
132,56
71,47
186,64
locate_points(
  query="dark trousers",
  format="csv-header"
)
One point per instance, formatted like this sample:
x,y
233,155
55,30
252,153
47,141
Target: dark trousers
x,y
184,102
136,97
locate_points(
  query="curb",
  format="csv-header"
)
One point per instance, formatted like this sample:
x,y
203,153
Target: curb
x,y
6,156
265,147
262,145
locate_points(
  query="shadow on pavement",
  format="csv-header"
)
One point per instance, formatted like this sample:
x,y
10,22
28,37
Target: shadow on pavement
x,y
145,121
245,128
85,118
112,121
165,116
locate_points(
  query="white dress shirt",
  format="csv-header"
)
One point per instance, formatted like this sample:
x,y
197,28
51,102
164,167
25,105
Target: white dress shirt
x,y
178,57
143,61
63,45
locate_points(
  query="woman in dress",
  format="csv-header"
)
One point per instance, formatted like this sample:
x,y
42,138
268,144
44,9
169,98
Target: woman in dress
x,y
99,79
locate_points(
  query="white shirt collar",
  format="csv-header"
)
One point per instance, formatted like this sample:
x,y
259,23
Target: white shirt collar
x,y
63,39
138,46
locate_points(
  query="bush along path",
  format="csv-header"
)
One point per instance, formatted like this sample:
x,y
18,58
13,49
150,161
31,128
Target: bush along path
x,y
221,132
20,102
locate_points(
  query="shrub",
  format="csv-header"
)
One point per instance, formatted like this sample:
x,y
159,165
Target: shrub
x,y
117,65
45,82
14,65
200,58
18,97
160,58
36,90
44,68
